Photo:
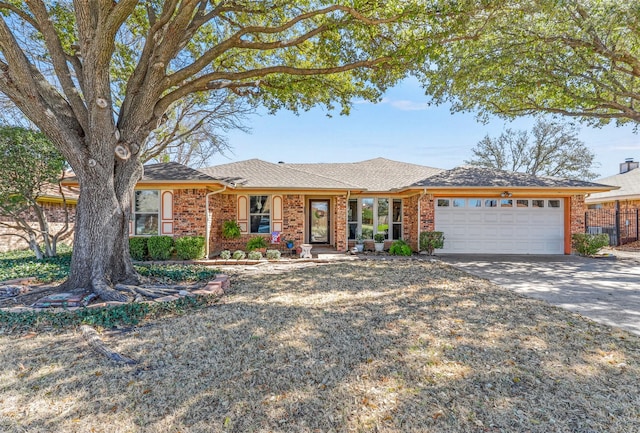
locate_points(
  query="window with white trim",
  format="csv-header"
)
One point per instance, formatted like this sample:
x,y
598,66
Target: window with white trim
x,y
146,209
370,215
260,214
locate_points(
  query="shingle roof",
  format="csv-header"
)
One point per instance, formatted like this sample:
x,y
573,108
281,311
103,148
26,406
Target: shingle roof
x,y
471,176
255,173
628,182
173,171
377,174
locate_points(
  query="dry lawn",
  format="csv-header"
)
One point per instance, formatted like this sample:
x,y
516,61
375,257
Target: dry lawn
x,y
368,346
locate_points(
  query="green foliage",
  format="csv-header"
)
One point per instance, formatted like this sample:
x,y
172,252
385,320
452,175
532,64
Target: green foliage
x,y
378,237
160,247
572,58
587,244
254,255
256,242
138,248
225,255
239,255
190,247
231,230
400,248
273,255
430,241
177,272
109,317
22,264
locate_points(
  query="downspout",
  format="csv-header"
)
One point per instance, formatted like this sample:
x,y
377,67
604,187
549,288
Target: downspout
x,y
207,219
347,231
424,192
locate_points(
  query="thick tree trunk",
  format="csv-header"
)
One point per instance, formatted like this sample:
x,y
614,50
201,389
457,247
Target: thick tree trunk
x,y
101,240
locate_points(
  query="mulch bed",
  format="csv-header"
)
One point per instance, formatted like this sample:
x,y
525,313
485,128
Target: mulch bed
x,y
365,346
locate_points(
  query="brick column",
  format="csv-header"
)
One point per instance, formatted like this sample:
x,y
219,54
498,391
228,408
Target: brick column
x,y
340,221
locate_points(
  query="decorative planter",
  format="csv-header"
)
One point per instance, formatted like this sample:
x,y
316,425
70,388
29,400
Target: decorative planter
x,y
360,247
379,247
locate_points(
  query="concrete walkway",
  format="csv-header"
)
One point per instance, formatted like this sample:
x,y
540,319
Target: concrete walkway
x,y
606,290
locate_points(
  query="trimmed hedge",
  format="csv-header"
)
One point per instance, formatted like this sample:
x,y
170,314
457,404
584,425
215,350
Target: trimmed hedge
x,y
160,247
138,248
190,247
430,241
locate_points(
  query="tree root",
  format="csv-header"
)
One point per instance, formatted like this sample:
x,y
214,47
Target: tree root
x,y
94,341
153,292
106,293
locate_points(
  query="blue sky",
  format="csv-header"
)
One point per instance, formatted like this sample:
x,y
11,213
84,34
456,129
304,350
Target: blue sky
x,y
402,127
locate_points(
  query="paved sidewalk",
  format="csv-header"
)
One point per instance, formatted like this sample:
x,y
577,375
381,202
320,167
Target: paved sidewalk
x,y
606,290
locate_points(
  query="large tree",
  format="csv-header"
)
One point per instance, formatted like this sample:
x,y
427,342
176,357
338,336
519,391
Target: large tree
x,y
550,149
577,58
97,77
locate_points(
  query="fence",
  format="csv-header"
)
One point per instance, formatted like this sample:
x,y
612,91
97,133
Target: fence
x,y
620,225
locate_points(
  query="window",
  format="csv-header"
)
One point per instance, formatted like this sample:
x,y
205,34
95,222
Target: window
x,y
522,203
458,202
443,202
145,212
370,215
397,219
260,213
491,203
475,202
506,202
537,203
352,218
554,203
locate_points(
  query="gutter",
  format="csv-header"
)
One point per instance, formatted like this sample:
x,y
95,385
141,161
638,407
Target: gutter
x,y
422,194
207,219
347,231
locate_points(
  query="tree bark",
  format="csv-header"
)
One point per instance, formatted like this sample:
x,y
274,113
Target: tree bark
x,y
101,257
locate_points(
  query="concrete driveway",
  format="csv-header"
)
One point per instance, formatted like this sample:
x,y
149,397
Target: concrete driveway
x,y
605,290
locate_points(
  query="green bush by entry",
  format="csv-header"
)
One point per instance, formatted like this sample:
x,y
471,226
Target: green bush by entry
x,y
160,247
430,241
400,248
138,248
256,242
190,247
588,245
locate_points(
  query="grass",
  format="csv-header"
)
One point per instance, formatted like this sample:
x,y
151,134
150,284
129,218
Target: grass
x,y
366,346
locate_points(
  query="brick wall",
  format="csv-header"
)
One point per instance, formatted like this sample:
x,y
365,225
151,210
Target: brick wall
x,y
189,212
576,215
340,223
55,214
410,218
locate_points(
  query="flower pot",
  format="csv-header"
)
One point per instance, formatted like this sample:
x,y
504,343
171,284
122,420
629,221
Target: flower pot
x,y
379,247
360,247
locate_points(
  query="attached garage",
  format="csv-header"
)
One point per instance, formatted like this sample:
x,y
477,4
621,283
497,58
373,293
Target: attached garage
x,y
501,225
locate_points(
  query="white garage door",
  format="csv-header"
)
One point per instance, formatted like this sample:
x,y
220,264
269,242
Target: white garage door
x,y
501,226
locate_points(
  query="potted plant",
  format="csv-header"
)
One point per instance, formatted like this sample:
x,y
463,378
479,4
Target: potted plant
x,y
378,239
360,243
288,242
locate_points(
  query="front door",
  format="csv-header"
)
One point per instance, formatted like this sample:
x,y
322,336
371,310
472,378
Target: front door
x,y
319,221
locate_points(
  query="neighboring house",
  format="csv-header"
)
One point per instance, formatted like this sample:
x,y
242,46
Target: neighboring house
x,y
627,196
53,204
479,210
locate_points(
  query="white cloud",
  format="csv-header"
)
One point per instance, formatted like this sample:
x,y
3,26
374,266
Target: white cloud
x,y
406,105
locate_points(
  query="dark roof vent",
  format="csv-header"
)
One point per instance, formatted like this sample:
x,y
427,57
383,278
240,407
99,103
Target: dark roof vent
x,y
628,165
280,162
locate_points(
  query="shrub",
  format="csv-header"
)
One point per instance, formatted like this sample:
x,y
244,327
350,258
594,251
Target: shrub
x,y
254,255
225,255
190,247
430,241
138,248
239,255
256,242
273,255
160,247
588,245
378,238
177,272
400,248
231,230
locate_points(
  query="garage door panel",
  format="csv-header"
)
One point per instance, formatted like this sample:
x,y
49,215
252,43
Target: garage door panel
x,y
524,230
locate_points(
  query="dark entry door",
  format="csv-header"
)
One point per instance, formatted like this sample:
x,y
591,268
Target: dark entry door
x,y
319,221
